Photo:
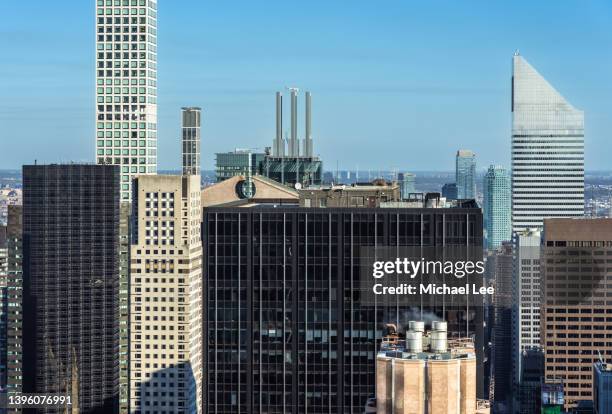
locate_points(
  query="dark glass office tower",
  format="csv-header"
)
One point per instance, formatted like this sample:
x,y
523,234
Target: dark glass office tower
x,y
70,283
285,329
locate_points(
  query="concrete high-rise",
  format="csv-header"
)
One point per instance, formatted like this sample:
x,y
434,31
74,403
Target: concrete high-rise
x,y
191,140
71,284
496,207
547,151
465,174
525,296
3,308
165,295
576,302
126,88
14,335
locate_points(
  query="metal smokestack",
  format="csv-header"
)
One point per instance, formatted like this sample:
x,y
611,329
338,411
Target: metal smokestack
x,y
279,145
308,137
293,143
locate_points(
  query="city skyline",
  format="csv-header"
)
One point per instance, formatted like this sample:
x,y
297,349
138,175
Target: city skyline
x,y
404,89
274,285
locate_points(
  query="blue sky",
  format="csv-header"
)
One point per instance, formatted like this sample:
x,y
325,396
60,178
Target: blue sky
x,y
395,84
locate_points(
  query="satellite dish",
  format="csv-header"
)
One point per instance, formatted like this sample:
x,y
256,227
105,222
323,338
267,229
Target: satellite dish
x,y
298,186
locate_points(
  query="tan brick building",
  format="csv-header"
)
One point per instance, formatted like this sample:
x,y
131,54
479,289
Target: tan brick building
x,y
577,301
165,295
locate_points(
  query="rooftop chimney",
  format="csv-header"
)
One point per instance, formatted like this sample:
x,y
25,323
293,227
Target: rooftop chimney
x,y
294,149
278,149
308,137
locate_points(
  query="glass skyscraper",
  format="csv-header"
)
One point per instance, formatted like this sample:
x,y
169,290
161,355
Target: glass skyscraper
x,y
406,181
126,87
287,329
497,215
71,284
547,151
465,174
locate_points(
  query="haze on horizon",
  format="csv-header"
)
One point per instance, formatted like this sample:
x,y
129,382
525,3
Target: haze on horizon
x,y
396,87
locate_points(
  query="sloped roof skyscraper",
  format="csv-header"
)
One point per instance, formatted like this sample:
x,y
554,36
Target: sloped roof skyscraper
x,y
547,150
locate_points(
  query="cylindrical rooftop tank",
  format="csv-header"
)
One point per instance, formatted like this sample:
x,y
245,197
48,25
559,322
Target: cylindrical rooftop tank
x,y
438,342
416,326
414,341
439,326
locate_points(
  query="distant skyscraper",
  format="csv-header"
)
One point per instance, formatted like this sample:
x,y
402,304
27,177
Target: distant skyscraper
x,y
406,182
71,283
191,140
165,295
465,174
126,81
576,302
547,151
244,162
449,190
496,208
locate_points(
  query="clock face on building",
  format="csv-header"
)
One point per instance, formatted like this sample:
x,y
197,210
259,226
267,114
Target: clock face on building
x,y
245,189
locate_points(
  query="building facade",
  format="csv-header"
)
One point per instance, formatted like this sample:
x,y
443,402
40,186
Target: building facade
x,y
528,392
502,328
497,207
70,283
287,331
191,140
356,195
547,151
526,286
3,309
126,88
465,174
576,305
165,296
14,336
